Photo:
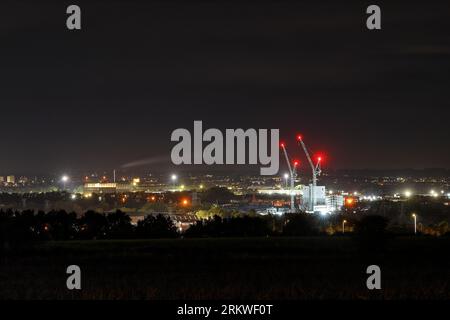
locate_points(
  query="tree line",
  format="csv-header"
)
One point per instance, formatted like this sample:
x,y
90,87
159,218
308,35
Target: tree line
x,y
18,228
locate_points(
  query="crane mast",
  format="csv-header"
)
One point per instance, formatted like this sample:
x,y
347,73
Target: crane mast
x,y
292,174
316,171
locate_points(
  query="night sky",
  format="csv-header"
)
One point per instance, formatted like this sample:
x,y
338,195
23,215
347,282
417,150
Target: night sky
x,y
111,94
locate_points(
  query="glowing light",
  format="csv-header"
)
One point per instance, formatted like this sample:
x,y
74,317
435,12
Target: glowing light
x,y
296,163
174,177
65,178
349,201
343,225
182,186
299,137
73,196
201,186
320,157
185,202
282,144
408,193
286,176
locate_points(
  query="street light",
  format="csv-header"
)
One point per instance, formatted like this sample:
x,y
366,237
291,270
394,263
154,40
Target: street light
x,y
64,180
174,179
286,177
343,225
408,193
415,222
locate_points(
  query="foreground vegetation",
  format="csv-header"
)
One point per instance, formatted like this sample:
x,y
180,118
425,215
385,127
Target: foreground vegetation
x,y
320,267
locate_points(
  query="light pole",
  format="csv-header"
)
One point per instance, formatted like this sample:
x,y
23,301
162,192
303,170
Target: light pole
x,y
174,179
286,177
415,222
343,226
64,180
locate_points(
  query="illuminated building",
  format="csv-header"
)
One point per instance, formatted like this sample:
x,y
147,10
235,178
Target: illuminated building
x,y
335,202
106,187
319,197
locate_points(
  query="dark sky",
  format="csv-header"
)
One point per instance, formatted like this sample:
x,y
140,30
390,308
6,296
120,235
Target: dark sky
x,y
113,92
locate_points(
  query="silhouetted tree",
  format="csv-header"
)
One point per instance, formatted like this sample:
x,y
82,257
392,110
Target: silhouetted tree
x,y
218,195
58,225
16,229
156,227
300,224
93,225
119,225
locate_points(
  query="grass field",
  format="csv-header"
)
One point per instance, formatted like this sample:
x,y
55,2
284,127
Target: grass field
x,y
251,268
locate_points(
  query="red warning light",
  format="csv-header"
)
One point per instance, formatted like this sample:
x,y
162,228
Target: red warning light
x,y
296,162
299,137
320,157
282,144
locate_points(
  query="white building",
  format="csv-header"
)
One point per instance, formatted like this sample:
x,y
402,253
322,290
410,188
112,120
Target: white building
x,y
335,202
324,203
319,195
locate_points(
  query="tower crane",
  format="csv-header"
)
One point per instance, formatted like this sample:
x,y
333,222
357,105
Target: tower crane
x,y
292,175
316,171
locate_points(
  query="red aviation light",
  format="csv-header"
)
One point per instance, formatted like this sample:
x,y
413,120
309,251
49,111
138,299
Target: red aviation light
x,y
299,137
320,158
282,144
349,201
296,163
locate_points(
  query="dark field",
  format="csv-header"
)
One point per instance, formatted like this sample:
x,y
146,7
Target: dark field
x,y
251,268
